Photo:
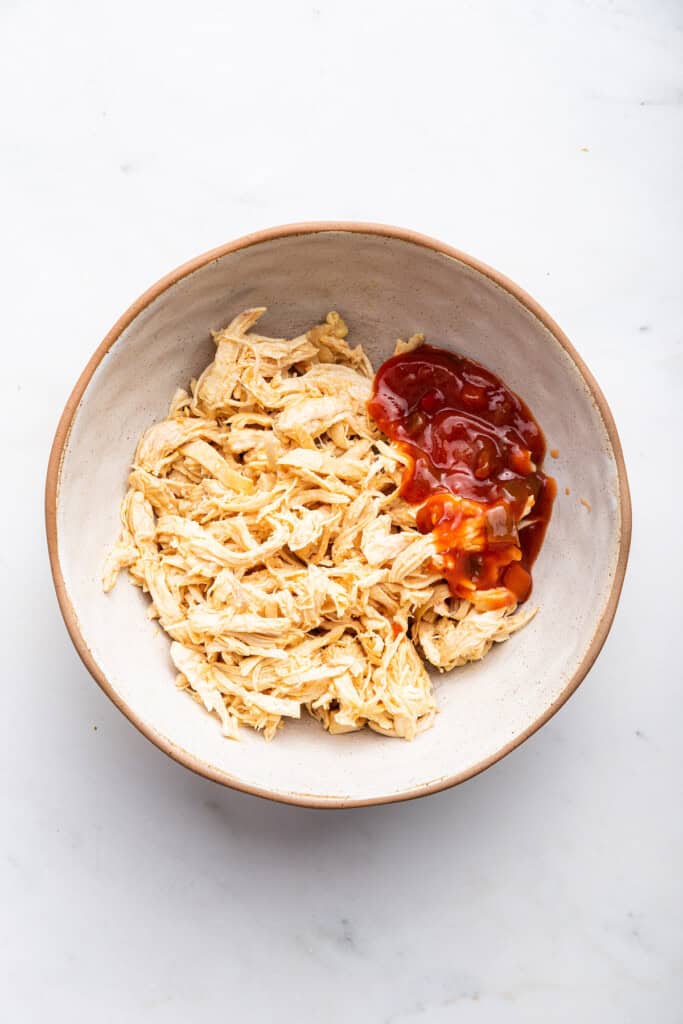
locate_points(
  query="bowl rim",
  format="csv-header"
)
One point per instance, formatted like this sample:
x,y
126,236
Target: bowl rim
x,y
63,431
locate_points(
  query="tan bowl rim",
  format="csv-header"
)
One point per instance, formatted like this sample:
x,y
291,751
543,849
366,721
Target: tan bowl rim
x,y
62,436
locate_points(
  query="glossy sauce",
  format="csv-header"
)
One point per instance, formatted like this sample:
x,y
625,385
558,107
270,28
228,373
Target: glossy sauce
x,y
475,456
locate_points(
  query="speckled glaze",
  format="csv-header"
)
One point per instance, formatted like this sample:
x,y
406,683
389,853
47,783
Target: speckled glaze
x,y
386,282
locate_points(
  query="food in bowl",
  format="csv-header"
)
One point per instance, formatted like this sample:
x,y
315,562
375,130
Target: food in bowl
x,y
303,528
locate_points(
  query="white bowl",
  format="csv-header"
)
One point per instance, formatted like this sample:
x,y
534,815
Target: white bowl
x,y
387,283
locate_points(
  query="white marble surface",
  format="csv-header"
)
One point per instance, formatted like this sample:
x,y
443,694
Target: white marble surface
x,y
542,137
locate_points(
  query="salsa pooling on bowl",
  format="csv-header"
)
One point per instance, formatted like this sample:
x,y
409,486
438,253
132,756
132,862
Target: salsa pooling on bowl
x,y
475,452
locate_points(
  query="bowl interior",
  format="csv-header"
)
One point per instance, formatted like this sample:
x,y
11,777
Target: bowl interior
x,y
385,287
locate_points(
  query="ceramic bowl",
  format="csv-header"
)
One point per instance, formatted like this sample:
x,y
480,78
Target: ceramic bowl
x,y
387,283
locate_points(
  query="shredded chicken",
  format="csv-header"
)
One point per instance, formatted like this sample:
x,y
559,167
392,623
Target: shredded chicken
x,y
264,521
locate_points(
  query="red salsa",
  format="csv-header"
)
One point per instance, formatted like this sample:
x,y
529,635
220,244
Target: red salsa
x,y
475,452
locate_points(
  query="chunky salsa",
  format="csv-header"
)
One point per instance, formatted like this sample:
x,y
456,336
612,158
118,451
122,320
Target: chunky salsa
x,y
475,452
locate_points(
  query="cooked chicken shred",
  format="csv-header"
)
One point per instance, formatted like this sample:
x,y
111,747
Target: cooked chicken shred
x,y
264,521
